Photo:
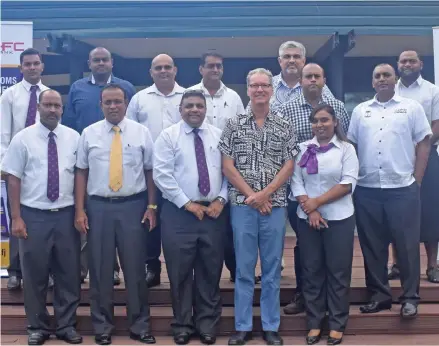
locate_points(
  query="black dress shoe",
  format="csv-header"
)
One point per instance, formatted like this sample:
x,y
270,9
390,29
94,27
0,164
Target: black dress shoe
x,y
272,338
373,307
71,337
311,340
409,310
182,338
257,279
296,306
50,283
37,338
240,338
334,341
116,279
207,339
14,283
152,278
103,339
146,338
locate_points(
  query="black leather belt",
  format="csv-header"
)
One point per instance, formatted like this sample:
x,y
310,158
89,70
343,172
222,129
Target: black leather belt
x,y
48,210
121,199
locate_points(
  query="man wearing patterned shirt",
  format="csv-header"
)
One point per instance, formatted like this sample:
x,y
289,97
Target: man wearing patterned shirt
x,y
298,112
286,85
258,150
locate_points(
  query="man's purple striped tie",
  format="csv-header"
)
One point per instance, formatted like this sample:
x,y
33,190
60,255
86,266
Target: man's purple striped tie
x,y
52,169
32,109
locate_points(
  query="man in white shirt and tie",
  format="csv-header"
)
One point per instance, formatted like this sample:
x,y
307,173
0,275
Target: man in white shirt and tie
x,y
223,103
114,175
187,169
19,110
413,86
156,107
40,162
392,136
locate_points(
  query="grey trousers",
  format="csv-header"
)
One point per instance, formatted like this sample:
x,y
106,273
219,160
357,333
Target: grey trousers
x,y
52,242
194,254
117,225
385,216
326,257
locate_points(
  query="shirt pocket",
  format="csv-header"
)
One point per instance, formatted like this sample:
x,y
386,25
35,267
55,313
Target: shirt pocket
x,y
132,156
214,156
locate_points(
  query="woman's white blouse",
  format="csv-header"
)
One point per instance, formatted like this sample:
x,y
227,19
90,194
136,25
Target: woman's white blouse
x,y
339,165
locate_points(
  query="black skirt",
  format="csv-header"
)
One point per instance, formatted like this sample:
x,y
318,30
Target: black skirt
x,y
430,199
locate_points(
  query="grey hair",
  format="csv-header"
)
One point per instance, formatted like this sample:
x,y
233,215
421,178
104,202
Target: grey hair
x,y
292,44
261,71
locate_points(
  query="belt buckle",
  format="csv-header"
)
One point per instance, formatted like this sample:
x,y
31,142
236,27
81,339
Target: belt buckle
x,y
56,209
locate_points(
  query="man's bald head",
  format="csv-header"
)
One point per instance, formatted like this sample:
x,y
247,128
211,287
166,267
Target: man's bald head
x,y
99,50
163,71
100,63
162,58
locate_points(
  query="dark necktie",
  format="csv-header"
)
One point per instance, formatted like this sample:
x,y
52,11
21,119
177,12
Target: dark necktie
x,y
32,109
203,172
52,169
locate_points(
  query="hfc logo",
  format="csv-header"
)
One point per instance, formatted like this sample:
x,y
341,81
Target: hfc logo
x,y
11,47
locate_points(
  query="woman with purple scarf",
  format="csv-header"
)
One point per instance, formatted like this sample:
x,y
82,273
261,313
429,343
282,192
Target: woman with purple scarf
x,y
323,182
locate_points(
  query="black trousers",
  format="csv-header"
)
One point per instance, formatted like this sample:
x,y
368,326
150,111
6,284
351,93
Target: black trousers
x,y
229,248
117,225
194,253
326,256
430,199
385,216
52,242
293,218
154,240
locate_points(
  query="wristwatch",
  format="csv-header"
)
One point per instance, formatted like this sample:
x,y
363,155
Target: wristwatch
x,y
221,200
152,206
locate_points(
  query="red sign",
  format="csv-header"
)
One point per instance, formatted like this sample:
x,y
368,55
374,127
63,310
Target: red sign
x,y
12,46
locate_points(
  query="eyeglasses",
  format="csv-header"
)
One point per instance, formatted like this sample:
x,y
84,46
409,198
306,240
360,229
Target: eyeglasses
x,y
164,67
257,86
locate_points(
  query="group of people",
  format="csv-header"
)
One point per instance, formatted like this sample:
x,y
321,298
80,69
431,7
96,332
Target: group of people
x,y
219,182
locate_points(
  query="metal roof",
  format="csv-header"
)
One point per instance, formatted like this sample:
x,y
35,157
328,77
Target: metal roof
x,y
157,19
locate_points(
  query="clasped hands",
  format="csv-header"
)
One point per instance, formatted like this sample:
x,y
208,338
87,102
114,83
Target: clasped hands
x,y
315,219
261,201
213,210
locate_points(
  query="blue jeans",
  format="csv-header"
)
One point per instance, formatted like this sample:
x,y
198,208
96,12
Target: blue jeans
x,y
252,232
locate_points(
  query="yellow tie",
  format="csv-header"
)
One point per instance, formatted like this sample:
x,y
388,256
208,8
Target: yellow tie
x,y
116,161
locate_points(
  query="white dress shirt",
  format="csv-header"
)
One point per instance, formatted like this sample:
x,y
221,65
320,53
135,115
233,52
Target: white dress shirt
x,y
27,159
222,106
175,165
14,105
385,135
339,165
426,93
94,154
155,110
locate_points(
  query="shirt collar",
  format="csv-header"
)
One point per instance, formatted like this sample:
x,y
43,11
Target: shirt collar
x,y
188,129
109,126
219,93
395,98
302,100
282,82
45,131
418,82
249,113
334,140
154,90
93,81
27,85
